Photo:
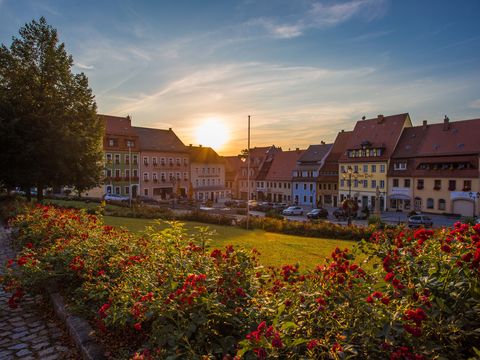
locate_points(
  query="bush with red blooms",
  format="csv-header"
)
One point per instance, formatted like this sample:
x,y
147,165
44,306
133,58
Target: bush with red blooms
x,y
412,294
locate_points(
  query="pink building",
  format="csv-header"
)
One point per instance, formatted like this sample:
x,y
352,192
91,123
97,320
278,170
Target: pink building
x,y
163,164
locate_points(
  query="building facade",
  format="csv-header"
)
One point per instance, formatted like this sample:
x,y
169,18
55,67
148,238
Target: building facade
x,y
207,171
164,164
364,165
278,181
121,154
232,171
327,183
435,169
305,174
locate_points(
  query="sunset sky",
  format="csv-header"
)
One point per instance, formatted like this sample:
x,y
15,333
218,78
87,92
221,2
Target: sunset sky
x,y
303,69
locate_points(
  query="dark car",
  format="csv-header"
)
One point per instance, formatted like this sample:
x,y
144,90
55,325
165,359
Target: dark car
x,y
318,214
146,200
416,221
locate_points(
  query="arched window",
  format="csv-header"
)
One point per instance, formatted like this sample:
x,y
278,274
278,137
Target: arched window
x,y
429,203
441,204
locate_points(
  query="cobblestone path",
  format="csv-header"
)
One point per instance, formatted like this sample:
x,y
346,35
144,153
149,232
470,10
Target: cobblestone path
x,y
30,331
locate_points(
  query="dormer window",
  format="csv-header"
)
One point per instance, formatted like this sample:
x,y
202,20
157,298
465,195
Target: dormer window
x,y
112,142
130,143
400,166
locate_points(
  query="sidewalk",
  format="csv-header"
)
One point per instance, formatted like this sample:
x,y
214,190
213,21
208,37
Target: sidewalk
x,y
30,331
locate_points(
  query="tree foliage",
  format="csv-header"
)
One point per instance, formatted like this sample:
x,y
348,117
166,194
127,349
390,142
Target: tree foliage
x,y
51,134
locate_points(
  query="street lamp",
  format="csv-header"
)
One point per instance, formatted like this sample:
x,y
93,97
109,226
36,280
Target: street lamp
x,y
247,159
129,145
173,179
349,174
474,197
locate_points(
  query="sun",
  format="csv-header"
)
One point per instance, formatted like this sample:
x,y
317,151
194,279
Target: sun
x,y
213,133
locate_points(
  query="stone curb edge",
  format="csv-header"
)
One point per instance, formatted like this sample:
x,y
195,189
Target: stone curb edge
x,y
79,329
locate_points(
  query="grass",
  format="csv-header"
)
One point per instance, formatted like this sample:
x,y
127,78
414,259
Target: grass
x,y
79,204
276,249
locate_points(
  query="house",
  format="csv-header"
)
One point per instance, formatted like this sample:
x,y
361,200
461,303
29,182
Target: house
x,y
305,174
278,180
327,182
260,161
364,165
435,168
232,172
207,171
164,164
121,151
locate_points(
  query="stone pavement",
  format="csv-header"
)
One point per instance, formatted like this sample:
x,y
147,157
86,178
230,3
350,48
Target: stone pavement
x,y
30,331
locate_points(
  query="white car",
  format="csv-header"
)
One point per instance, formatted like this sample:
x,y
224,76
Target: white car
x,y
115,197
293,210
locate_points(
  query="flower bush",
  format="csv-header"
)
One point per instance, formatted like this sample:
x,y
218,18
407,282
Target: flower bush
x,y
413,295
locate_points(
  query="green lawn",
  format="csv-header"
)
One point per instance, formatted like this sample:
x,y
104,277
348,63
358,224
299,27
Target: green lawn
x,y
78,204
276,249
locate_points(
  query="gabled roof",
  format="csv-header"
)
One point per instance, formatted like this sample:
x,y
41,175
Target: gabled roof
x,y
338,149
159,140
283,164
232,164
117,125
314,154
202,154
380,132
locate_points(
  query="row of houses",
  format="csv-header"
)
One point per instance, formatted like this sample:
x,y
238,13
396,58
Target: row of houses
x,y
429,168
155,163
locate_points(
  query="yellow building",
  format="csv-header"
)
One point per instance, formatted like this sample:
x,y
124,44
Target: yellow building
x,y
363,166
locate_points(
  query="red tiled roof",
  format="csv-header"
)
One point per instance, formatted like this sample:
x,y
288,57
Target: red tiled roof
x,y
315,153
202,154
232,163
381,132
117,125
159,140
283,164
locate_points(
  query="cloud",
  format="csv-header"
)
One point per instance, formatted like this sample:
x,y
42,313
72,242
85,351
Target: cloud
x,y
322,15
475,104
84,67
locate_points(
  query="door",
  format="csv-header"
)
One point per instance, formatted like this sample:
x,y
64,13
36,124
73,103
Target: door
x,y
463,207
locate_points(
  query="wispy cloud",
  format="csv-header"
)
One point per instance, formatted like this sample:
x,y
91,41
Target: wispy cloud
x,y
321,15
84,66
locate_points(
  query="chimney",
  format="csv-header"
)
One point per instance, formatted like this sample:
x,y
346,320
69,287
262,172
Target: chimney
x,y
363,117
424,125
169,129
322,142
446,123
200,145
190,145
297,149
343,130
380,118
129,118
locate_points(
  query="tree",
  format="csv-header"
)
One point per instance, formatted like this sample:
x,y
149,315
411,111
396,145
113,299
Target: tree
x,y
51,134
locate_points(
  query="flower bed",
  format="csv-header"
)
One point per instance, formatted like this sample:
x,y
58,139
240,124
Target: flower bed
x,y
166,295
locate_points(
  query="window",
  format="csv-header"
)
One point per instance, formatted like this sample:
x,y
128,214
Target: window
x,y
162,161
127,174
374,184
108,157
311,187
420,184
135,173
441,204
170,161
117,159
342,169
296,186
355,168
311,199
395,182
145,160
382,184
400,166
365,168
437,184
145,176
452,184
127,190
154,161
130,143
117,190
154,176
145,192
355,183
109,189
382,168
112,142
304,186
178,161
342,183
117,174
185,161
135,159
467,185
374,168
304,198
365,183
185,176
109,173
429,203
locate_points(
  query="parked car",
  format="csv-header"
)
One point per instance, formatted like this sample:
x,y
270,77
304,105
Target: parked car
x,y
419,220
115,197
293,210
318,214
146,200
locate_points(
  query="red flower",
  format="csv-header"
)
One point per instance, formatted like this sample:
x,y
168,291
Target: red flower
x,y
385,300
29,245
389,276
137,326
277,342
414,330
369,299
312,344
336,348
261,353
377,294
446,248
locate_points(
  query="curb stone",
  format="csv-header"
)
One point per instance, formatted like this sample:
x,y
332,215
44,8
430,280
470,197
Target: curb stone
x,y
79,329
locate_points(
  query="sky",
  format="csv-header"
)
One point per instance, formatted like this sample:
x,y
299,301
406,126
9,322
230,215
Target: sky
x,y
303,69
